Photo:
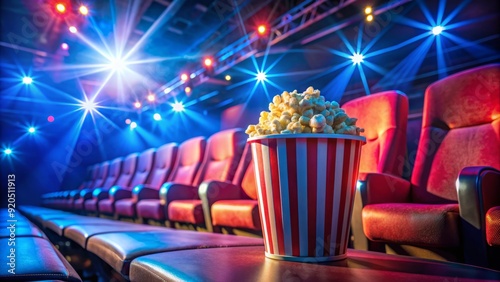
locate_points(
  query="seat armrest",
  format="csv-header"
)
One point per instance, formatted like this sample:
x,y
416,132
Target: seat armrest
x,y
141,192
117,193
75,194
175,191
213,191
478,190
86,194
377,188
100,194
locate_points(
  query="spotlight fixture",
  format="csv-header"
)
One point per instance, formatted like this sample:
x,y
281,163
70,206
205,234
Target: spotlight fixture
x,y
187,89
128,121
83,10
73,29
133,125
60,8
227,77
27,80
437,30
357,58
31,130
261,29
151,97
193,75
157,117
369,18
208,62
65,46
184,77
117,64
178,107
88,105
7,151
167,90
50,118
261,76
368,10
137,105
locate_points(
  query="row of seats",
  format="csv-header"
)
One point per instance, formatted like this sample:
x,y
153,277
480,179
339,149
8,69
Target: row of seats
x,y
26,252
213,184
121,251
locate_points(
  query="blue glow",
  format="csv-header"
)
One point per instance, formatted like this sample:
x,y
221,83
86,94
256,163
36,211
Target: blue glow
x,y
27,80
178,106
31,130
437,30
133,125
261,76
157,116
7,151
193,75
357,58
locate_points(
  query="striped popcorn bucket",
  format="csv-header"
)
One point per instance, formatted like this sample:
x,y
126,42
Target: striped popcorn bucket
x,y
306,186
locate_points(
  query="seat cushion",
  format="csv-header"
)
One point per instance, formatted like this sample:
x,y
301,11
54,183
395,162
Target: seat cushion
x,y
189,211
236,213
106,206
413,224
493,226
36,260
90,205
81,233
58,225
250,264
119,249
125,207
151,209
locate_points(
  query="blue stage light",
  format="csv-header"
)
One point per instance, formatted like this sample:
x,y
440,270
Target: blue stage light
x,y
437,30
133,125
157,116
261,76
31,130
178,107
7,151
27,80
357,58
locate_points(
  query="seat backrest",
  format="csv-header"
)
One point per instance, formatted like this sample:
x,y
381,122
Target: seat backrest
x,y
460,127
128,170
144,166
384,117
102,173
113,173
222,155
245,176
188,161
163,164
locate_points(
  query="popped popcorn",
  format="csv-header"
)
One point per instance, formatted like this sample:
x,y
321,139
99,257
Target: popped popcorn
x,y
306,112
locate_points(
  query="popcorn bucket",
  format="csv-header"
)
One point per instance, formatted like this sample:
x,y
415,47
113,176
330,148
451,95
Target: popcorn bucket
x,y
306,185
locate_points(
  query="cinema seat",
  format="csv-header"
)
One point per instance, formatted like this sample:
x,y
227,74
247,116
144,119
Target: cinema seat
x,y
101,172
123,180
232,204
190,156
164,160
118,192
460,129
384,117
114,170
221,159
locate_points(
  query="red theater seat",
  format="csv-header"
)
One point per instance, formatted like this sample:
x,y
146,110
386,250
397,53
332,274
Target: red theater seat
x,y
220,162
114,170
118,192
101,172
232,204
162,167
460,129
186,166
384,117
102,194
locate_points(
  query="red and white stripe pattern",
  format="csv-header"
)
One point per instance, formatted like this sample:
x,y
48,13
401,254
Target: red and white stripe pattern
x,y
306,189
